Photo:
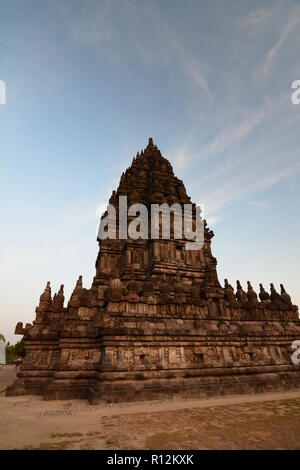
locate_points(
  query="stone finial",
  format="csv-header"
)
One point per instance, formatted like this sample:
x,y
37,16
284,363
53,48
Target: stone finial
x,y
150,142
251,294
263,295
275,297
229,292
285,296
19,330
241,295
45,298
79,283
58,299
60,294
77,290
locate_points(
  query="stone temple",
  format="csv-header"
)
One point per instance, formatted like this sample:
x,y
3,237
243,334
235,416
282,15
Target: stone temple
x,y
156,323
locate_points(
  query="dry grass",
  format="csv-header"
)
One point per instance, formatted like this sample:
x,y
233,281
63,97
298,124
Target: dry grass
x,y
261,425
66,434
271,423
264,425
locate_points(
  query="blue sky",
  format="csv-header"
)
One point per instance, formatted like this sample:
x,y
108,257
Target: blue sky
x,y
89,81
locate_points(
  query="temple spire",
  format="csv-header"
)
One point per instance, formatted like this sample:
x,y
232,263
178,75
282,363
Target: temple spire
x,y
45,298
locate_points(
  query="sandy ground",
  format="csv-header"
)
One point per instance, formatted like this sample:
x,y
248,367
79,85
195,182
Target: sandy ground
x,y
263,421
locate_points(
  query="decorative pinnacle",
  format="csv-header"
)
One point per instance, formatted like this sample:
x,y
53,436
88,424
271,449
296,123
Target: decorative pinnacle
x,y
150,142
79,282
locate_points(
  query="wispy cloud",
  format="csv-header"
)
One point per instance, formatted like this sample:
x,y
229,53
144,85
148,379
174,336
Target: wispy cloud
x,y
258,204
229,136
257,19
283,36
135,26
213,220
192,67
251,183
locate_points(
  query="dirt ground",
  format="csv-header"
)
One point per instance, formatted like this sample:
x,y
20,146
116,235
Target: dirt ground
x,y
264,421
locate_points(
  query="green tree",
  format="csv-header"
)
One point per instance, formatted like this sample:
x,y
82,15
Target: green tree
x,y
13,351
10,353
20,348
2,338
